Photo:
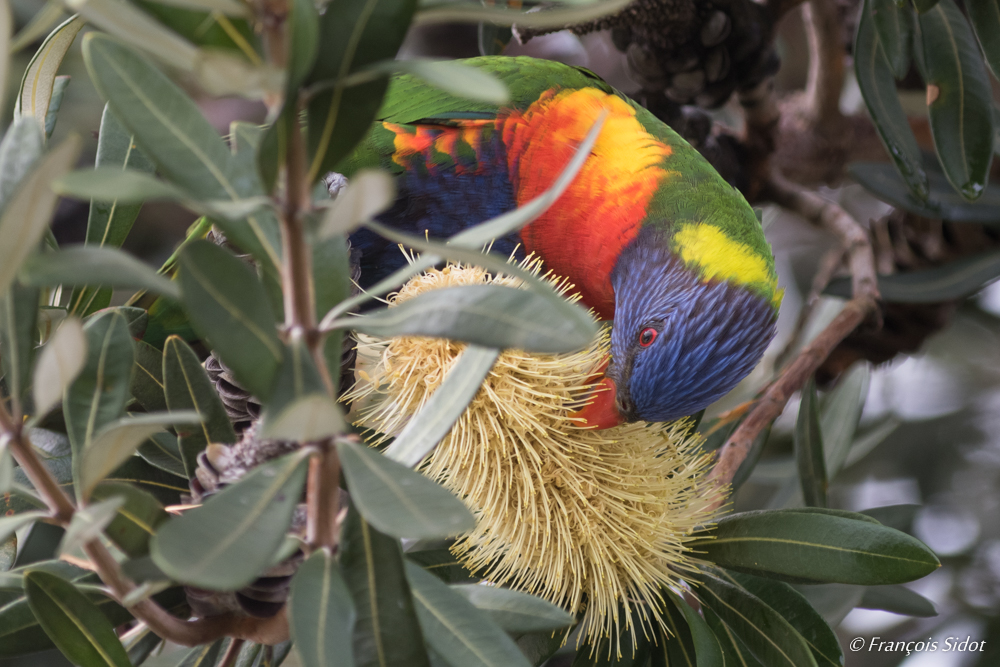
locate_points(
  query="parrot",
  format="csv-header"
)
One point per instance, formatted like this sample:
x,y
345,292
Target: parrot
x,y
650,235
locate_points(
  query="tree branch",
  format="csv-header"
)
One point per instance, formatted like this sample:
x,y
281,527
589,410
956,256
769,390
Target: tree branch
x,y
825,78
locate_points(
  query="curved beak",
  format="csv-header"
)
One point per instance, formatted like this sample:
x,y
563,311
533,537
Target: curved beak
x,y
601,410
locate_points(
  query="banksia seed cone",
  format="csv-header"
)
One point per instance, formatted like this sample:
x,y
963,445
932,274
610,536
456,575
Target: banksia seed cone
x,y
586,519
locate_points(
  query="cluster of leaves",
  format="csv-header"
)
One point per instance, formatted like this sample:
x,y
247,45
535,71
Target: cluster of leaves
x,y
954,53
116,405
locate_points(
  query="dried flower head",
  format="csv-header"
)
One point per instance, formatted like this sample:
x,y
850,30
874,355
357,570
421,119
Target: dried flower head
x,y
586,519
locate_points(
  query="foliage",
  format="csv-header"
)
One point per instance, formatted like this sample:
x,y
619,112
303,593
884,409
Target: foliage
x,y
106,405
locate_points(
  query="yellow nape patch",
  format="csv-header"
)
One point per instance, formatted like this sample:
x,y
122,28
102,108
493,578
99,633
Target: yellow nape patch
x,y
720,257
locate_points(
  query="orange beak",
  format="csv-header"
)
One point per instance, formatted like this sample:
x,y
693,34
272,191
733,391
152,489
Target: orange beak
x,y
601,412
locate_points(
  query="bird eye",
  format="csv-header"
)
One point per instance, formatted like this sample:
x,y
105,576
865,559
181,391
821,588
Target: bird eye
x,y
647,336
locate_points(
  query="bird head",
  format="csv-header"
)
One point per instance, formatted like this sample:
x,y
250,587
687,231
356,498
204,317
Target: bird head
x,y
678,342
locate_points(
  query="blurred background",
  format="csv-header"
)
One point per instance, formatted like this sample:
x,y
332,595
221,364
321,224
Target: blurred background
x,y
929,437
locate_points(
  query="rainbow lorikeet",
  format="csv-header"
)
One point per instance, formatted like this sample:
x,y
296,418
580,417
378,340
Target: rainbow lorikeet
x,y
651,236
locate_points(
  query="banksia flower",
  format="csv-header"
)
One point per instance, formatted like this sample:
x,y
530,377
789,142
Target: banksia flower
x,y
589,520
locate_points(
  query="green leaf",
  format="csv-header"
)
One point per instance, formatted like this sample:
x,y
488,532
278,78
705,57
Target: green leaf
x,y
840,416
26,217
625,650
116,442
9,524
88,523
18,338
299,408
706,646
140,645
924,5
515,611
894,25
228,541
462,634
460,12
960,101
8,552
733,649
98,395
486,315
188,387
58,92
387,631
73,622
397,500
809,449
206,29
146,386
331,267
227,305
36,85
205,655
816,547
136,520
878,88
321,613
954,280
368,193
899,517
352,35
462,80
303,44
985,18
38,27
753,456
898,600
942,201
109,222
88,265
185,148
22,145
795,609
771,638
429,426
163,452
443,564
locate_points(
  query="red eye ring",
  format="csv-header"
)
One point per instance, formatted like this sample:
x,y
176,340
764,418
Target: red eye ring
x,y
647,336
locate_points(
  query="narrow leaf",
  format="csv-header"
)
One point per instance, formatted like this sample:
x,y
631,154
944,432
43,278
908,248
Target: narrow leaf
x,y
188,387
227,542
486,315
816,547
898,600
88,523
894,25
27,216
299,408
429,426
39,77
137,519
733,649
397,500
368,193
18,339
840,416
23,143
10,524
86,265
462,634
387,631
959,98
321,613
985,18
465,81
461,12
146,385
73,622
707,650
115,443
135,27
163,452
809,449
228,306
878,88
515,611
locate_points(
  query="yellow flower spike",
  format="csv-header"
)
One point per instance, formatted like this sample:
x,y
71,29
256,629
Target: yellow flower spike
x,y
585,519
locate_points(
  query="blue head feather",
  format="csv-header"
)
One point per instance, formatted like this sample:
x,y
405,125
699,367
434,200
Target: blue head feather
x,y
710,335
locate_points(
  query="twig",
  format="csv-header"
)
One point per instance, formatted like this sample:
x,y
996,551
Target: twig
x,y
825,78
773,402
323,499
854,239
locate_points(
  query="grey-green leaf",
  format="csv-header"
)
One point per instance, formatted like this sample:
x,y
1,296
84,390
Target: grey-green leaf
x,y
461,12
228,541
879,91
22,145
321,613
387,631
187,387
985,18
39,77
809,449
26,217
89,522
18,339
515,611
137,519
707,650
299,408
426,428
397,500
97,266
898,600
840,416
462,634
960,101
817,547
73,622
227,305
894,26
486,315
